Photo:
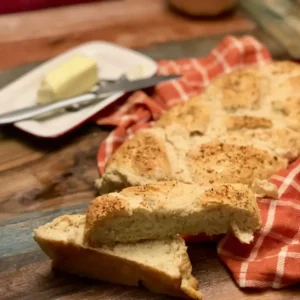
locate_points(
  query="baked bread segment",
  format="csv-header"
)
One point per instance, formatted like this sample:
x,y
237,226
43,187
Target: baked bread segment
x,y
138,161
162,266
253,112
283,141
221,162
152,155
163,209
174,157
285,102
240,89
290,111
194,115
247,122
281,70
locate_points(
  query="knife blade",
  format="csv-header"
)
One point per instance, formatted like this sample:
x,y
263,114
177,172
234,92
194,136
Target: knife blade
x,y
100,94
126,85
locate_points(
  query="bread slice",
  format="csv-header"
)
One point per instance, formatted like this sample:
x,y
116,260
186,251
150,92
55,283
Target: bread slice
x,y
164,209
162,266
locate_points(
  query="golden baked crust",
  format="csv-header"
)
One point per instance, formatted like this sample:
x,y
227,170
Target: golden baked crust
x,y
151,155
239,89
247,122
282,68
140,160
286,102
218,162
166,208
194,115
253,107
284,142
146,153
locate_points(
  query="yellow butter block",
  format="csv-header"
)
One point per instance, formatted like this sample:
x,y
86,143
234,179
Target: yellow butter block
x,y
72,78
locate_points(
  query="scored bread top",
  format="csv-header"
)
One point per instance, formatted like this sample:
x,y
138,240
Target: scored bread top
x,y
164,209
194,115
218,162
224,160
239,89
258,108
150,145
247,122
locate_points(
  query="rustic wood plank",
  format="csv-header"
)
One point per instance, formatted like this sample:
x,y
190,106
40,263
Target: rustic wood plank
x,y
13,154
28,37
21,229
46,179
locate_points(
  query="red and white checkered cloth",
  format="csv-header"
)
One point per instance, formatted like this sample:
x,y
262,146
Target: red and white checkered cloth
x,y
273,259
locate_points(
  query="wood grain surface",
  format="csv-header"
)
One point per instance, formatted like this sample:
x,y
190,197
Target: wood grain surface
x,y
35,36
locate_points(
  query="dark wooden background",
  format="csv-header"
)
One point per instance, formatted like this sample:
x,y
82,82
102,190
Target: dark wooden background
x,y
41,179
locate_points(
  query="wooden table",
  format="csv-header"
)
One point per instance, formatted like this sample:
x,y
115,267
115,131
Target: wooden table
x,y
42,179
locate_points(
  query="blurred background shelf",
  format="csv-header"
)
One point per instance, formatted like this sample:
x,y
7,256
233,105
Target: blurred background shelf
x,y
34,36
38,35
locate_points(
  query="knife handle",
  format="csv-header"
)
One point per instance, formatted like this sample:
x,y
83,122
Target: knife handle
x,y
31,112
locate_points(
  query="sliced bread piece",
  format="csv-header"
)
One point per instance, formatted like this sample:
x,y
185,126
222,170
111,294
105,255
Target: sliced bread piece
x,y
163,209
162,266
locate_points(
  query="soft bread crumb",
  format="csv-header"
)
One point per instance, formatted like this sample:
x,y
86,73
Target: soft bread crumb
x,y
264,188
245,237
166,258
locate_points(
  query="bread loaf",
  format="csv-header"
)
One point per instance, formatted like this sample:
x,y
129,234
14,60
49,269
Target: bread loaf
x,y
163,209
245,126
162,266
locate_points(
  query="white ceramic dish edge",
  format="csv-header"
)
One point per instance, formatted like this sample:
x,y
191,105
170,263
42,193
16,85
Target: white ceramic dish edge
x,y
113,60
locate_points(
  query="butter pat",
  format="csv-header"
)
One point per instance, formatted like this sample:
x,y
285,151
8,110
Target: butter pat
x,y
72,78
136,72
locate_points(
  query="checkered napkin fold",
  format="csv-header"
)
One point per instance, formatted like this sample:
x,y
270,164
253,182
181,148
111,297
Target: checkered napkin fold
x,y
273,258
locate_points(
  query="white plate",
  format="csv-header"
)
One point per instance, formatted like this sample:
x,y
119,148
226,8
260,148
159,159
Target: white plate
x,y
112,61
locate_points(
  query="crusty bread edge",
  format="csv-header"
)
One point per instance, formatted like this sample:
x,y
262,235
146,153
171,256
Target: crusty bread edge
x,y
97,264
105,208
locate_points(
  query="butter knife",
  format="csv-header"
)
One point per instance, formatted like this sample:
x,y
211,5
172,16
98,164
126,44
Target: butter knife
x,y
99,94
